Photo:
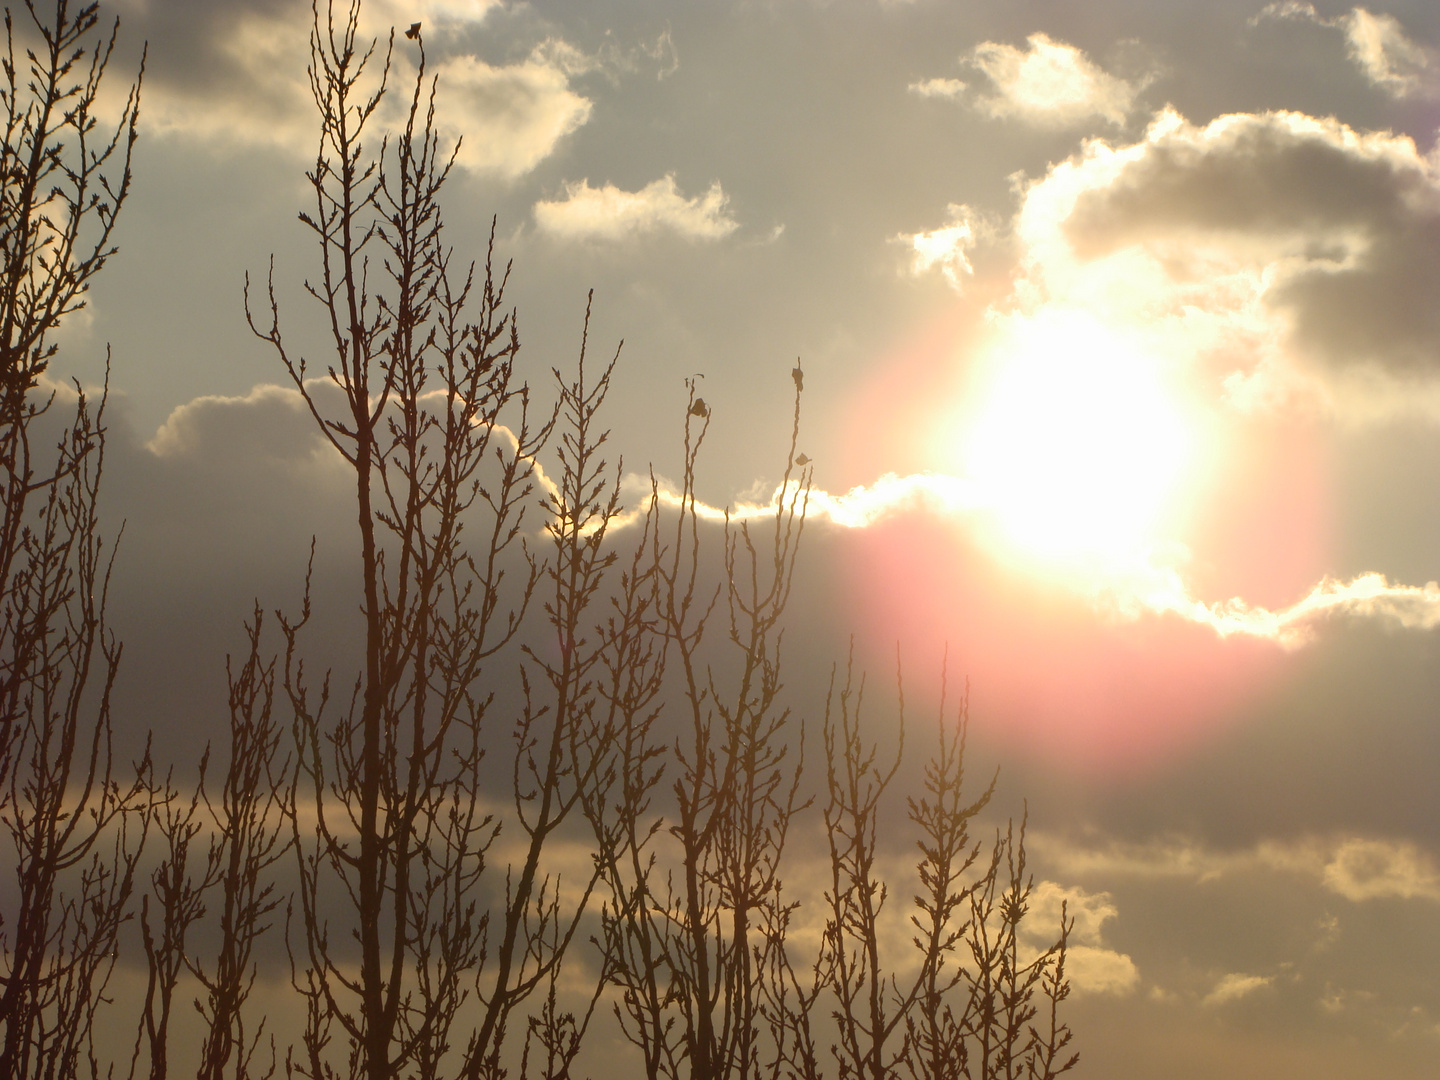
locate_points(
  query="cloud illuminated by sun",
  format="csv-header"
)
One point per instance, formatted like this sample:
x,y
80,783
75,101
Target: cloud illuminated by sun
x,y
1170,294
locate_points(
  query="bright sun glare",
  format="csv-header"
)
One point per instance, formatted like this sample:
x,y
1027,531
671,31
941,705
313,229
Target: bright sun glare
x,y
1078,445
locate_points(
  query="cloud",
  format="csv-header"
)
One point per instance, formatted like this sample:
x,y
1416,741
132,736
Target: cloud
x,y
510,118
1177,857
254,459
945,248
1376,44
1356,868
1373,869
1288,9
663,52
1091,911
380,15
235,76
1282,260
610,213
1126,588
1297,250
229,76
1101,971
1050,83
269,426
1370,596
1090,965
1234,987
857,508
949,89
1389,59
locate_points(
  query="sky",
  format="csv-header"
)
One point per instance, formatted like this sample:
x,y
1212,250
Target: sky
x,y
1121,359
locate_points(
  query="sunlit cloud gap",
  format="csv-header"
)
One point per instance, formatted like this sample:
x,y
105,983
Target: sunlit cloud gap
x,y
1370,595
1129,591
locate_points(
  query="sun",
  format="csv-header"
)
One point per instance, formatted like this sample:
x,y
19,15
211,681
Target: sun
x,y
1077,444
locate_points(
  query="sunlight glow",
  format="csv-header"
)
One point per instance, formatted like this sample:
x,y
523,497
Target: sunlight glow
x,y
1078,444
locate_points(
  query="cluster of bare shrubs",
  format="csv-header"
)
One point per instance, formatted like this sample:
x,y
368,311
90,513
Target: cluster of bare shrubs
x,y
398,826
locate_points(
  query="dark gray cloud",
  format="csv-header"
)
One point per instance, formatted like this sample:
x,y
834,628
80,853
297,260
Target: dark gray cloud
x,y
233,76
221,61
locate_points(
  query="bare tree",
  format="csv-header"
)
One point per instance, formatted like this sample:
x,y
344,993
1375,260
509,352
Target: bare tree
x,y
696,925
690,922
251,837
937,1025
621,809
869,1006
418,949
243,836
737,785
179,903
73,822
437,430
966,1011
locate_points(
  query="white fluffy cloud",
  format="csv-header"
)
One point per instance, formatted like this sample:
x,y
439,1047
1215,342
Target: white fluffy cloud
x,y
509,118
1096,970
945,248
1091,911
1049,83
1092,967
610,213
949,89
270,425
